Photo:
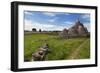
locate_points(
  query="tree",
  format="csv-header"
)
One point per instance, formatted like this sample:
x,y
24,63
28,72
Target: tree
x,y
39,30
34,29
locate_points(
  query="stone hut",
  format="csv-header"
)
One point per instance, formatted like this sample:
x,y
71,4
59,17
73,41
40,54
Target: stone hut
x,y
64,33
77,30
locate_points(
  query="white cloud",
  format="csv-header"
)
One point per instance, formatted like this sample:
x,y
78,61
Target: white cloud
x,y
49,13
69,22
48,27
54,14
85,16
87,25
28,25
53,19
28,13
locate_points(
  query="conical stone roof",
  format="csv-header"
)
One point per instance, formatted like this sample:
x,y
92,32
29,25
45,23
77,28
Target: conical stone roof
x,y
77,30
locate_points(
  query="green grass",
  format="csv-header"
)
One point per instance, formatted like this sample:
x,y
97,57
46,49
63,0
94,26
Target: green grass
x,y
85,51
60,48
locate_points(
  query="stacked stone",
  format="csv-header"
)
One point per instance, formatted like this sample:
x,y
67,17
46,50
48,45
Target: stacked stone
x,y
64,33
41,53
77,30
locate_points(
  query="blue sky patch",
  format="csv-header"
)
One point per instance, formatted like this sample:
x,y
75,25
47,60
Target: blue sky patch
x,y
51,21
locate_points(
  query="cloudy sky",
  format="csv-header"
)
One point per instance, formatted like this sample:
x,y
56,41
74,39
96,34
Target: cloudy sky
x,y
50,21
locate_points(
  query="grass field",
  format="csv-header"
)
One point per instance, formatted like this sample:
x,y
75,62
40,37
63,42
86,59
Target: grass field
x,y
61,49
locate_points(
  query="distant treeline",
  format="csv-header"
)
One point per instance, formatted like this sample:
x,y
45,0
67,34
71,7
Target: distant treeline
x,y
43,32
